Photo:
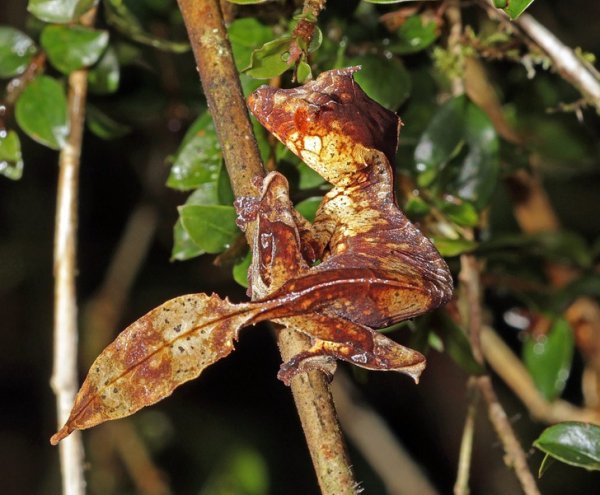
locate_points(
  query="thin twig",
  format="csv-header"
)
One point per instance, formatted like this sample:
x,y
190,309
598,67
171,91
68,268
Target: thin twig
x,y
515,457
514,374
220,81
400,474
64,377
461,486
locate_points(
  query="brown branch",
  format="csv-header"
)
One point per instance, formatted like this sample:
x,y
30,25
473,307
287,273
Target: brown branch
x,y
64,376
220,81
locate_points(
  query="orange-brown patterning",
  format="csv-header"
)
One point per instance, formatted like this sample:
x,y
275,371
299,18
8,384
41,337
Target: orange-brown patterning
x,y
376,267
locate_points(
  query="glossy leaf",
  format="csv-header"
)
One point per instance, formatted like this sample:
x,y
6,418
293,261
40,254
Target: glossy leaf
x,y
11,161
104,77
199,157
548,359
119,16
270,60
41,111
246,35
440,141
16,51
514,8
60,11
478,175
463,213
458,347
453,247
574,443
73,47
378,69
104,126
240,270
210,227
414,35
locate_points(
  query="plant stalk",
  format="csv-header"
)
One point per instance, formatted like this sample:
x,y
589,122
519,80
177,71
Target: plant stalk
x,y
220,81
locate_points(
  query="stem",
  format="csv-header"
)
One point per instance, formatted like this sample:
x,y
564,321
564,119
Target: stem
x,y
515,457
65,378
461,486
222,89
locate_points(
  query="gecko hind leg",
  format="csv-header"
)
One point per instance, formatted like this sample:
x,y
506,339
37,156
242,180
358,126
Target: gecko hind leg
x,y
338,338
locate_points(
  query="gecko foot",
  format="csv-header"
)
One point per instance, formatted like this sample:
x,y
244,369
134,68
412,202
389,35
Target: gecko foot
x,y
304,362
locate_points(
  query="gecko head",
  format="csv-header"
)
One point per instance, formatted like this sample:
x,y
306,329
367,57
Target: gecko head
x,y
330,123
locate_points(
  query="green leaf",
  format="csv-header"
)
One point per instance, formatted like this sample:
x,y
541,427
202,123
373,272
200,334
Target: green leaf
x,y
270,60
463,213
104,126
461,133
184,248
376,70
104,77
308,208
478,173
240,270
453,247
16,51
458,347
41,111
11,161
199,157
210,227
414,35
439,143
60,11
123,20
309,179
303,72
72,47
574,443
245,35
586,285
548,359
514,8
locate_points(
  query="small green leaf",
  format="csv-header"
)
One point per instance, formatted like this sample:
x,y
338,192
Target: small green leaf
x,y
104,77
119,16
41,111
514,8
548,359
11,161
184,248
210,227
378,69
60,11
72,47
245,35
453,247
574,443
270,60
414,35
308,208
16,51
240,270
303,72
463,213
309,179
458,346
199,157
104,126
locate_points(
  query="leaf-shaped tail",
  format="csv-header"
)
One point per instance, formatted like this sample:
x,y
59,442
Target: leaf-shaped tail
x,y
166,347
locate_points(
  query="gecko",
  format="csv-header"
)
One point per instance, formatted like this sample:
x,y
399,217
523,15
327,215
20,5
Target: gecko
x,y
360,265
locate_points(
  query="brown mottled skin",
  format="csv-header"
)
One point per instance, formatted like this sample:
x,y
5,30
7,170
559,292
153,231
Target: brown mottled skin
x,y
376,267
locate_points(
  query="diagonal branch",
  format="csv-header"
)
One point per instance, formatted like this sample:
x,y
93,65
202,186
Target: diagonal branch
x,y
204,23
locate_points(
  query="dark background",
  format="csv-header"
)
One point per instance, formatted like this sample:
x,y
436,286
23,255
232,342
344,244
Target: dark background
x,y
238,404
